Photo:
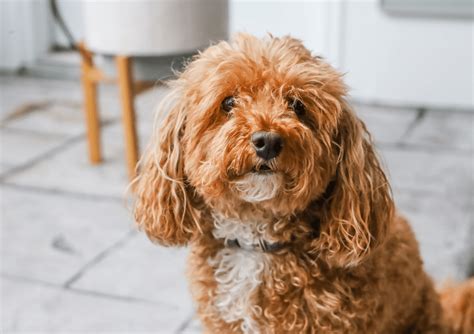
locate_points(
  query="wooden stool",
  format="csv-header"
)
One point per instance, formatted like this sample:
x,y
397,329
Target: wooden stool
x,y
91,76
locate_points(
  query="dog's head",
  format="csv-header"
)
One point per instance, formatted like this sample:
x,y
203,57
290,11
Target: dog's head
x,y
263,123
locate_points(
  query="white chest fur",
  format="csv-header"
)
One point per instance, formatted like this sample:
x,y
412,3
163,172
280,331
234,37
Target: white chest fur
x,y
238,271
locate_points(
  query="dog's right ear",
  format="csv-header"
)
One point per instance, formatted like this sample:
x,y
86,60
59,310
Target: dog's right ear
x,y
163,208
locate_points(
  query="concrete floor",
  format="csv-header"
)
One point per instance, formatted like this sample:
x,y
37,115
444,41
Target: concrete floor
x,y
71,259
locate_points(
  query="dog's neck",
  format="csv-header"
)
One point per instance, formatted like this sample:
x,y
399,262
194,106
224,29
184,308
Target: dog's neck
x,y
254,229
249,232
254,232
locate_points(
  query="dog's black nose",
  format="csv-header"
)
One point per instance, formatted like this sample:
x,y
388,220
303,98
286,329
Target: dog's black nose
x,y
267,144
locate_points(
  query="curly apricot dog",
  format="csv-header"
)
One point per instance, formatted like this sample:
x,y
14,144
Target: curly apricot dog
x,y
262,167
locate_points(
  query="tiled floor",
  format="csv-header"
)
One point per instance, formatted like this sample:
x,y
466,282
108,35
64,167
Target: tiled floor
x,y
71,259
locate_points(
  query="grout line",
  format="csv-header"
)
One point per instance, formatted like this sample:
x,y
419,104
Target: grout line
x,y
16,278
118,297
30,163
420,115
410,147
50,153
10,129
184,325
6,126
410,107
29,280
61,192
420,192
98,258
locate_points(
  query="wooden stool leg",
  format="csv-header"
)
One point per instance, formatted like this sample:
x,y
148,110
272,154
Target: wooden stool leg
x,y
125,82
89,87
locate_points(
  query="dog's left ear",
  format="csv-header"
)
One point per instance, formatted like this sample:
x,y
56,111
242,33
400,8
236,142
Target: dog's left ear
x,y
358,211
163,207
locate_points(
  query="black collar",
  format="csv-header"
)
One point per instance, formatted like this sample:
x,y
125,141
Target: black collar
x,y
262,246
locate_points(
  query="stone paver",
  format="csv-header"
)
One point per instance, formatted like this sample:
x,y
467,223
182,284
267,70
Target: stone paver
x,y
4,167
193,327
34,308
147,102
50,237
63,170
444,130
19,148
446,172
386,124
18,92
442,227
52,117
152,273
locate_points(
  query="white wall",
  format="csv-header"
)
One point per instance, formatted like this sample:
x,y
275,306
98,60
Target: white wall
x,y
72,13
25,33
408,60
314,22
27,30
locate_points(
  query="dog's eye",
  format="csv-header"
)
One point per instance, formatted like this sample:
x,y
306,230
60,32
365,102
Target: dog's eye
x,y
297,106
228,103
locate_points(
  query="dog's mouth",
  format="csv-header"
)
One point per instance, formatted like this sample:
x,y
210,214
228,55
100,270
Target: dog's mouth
x,y
262,169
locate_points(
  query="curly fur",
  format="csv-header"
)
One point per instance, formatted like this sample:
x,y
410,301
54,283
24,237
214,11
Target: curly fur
x,y
351,264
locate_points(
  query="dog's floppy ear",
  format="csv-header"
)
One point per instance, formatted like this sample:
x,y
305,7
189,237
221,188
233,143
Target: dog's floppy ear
x,y
357,212
163,208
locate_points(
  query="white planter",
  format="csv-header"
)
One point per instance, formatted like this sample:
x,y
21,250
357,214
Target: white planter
x,y
153,27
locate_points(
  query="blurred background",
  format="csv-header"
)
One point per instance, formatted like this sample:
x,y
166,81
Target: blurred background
x,y
78,84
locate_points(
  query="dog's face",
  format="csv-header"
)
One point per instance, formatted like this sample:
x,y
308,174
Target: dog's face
x,y
261,119
262,124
